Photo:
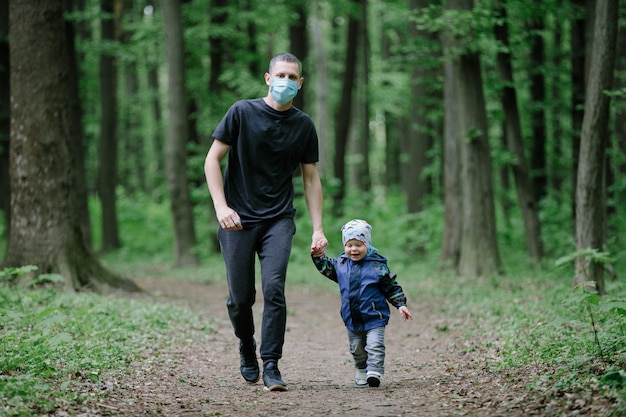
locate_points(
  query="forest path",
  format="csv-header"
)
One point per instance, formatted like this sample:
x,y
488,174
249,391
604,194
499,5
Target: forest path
x,y
427,372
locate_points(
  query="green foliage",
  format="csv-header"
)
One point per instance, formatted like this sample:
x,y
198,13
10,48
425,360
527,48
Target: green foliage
x,y
10,274
557,226
473,26
590,255
571,338
56,345
605,317
404,238
3,236
144,227
146,235
592,349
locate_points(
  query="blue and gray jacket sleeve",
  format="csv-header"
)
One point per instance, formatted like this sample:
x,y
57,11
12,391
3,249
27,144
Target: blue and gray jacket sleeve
x,y
326,267
391,289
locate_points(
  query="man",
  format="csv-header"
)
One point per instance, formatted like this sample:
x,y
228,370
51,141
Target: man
x,y
265,139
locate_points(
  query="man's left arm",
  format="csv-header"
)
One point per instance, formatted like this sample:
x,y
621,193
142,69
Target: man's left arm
x,y
314,201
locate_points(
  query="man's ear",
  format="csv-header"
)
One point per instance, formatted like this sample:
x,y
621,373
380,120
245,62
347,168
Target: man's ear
x,y
268,79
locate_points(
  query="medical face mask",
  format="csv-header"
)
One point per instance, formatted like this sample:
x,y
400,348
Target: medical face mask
x,y
283,89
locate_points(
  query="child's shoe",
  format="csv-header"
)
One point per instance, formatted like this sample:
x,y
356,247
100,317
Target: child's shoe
x,y
373,378
360,379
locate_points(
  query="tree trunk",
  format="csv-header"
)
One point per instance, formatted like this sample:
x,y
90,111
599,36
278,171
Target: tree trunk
x,y
320,66
537,112
360,143
218,50
218,55
132,166
591,187
453,219
5,116
506,202
420,140
299,43
620,118
177,138
579,61
78,132
218,17
344,112
45,229
479,249
558,159
107,150
158,165
393,131
514,141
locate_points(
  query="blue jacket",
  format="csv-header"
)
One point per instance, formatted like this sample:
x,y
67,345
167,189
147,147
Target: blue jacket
x,y
365,288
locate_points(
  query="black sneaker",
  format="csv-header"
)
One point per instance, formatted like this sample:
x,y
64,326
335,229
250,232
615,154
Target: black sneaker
x,y
248,364
373,379
272,379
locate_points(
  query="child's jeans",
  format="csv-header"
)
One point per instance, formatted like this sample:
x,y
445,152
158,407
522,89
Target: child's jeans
x,y
368,349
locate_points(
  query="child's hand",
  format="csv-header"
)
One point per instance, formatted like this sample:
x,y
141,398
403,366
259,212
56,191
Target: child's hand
x,y
405,313
318,249
317,253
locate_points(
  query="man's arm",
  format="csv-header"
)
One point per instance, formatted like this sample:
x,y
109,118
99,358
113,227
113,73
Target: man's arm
x,y
314,202
227,217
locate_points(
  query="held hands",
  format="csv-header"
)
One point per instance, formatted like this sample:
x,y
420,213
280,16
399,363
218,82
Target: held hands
x,y
405,313
318,245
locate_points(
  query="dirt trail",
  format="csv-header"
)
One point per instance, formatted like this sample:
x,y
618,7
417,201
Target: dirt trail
x,y
428,373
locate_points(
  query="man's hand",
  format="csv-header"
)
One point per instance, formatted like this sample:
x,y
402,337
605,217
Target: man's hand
x,y
229,219
318,245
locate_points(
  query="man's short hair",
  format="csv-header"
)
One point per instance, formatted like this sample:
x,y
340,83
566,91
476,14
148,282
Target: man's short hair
x,y
285,57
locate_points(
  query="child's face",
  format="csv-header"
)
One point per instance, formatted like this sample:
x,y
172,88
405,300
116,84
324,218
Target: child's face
x,y
355,249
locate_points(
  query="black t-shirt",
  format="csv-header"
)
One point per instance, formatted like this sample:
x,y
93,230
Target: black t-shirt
x,y
266,147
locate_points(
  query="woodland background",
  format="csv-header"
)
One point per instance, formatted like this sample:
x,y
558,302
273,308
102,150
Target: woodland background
x,y
483,140
505,118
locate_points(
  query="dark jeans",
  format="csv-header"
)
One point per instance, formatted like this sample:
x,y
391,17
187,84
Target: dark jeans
x,y
272,242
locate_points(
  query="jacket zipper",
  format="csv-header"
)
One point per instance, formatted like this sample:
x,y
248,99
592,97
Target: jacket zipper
x,y
380,315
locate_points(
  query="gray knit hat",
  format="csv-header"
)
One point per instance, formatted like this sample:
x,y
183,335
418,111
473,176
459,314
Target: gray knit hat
x,y
359,230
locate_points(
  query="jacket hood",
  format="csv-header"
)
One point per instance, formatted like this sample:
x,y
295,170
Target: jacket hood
x,y
371,255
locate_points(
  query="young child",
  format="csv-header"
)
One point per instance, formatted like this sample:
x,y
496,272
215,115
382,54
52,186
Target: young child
x,y
366,285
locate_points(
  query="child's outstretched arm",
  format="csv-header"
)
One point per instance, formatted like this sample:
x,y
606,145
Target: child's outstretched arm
x,y
325,266
394,293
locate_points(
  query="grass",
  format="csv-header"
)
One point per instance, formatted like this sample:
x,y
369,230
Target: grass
x,y
54,343
573,341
